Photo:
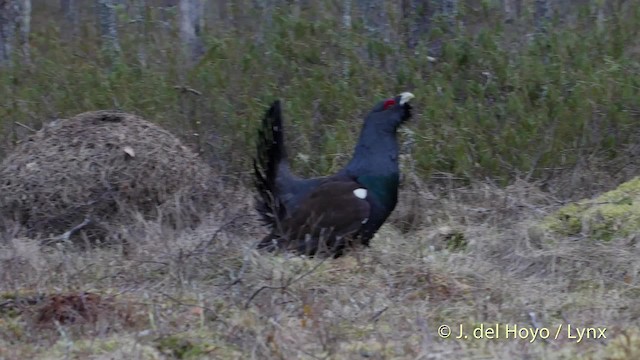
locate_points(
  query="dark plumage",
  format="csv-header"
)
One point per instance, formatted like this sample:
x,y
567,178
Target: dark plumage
x,y
326,214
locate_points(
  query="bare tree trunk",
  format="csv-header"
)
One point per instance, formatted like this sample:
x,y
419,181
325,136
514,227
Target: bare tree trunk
x,y
266,8
296,8
24,25
228,11
70,11
167,7
449,9
416,15
375,18
190,13
8,12
597,8
108,29
346,24
141,21
542,15
210,17
508,8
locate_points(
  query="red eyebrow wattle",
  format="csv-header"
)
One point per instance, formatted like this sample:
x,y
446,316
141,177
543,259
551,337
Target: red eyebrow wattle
x,y
389,103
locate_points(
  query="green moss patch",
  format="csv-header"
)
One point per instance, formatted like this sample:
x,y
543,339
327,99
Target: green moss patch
x,y
611,215
193,346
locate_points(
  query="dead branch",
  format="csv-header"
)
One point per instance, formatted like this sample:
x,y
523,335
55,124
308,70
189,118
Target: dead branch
x,y
185,89
67,235
25,126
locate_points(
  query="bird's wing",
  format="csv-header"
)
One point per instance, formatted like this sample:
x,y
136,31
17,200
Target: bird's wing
x,y
335,209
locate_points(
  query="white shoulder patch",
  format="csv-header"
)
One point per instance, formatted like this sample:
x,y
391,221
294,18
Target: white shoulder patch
x,y
360,193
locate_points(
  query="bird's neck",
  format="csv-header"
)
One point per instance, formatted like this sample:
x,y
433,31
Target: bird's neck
x,y
375,154
375,165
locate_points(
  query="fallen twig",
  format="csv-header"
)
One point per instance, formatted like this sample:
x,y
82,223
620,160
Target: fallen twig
x,y
25,126
186,89
378,313
67,235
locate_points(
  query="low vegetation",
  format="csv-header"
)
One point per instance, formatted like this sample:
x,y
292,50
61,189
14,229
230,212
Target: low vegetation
x,y
494,100
207,294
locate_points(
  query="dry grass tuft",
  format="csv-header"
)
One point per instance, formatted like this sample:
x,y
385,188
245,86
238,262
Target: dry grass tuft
x,y
48,311
85,174
71,308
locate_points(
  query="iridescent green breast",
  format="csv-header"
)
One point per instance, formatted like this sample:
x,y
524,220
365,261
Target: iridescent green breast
x,y
383,188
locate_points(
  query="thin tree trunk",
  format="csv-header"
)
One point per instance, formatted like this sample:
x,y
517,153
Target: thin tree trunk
x,y
141,21
346,24
542,14
296,8
70,11
375,18
449,10
597,8
190,30
7,31
25,29
192,49
108,30
229,11
416,15
266,8
508,8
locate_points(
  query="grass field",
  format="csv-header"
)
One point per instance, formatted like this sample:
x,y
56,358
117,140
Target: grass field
x,y
207,294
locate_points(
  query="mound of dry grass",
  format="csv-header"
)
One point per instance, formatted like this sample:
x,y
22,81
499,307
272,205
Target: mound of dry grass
x,y
97,169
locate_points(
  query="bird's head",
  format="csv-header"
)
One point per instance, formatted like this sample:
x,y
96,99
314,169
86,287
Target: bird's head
x,y
393,111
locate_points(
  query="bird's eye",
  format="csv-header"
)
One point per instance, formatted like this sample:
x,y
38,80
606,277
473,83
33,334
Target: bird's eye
x,y
389,103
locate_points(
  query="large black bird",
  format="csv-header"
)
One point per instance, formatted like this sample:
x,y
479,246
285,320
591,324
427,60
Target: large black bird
x,y
325,215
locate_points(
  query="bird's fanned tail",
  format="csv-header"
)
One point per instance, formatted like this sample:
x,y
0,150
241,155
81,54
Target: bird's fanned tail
x,y
270,153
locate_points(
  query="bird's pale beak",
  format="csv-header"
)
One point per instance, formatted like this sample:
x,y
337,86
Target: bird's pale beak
x,y
405,97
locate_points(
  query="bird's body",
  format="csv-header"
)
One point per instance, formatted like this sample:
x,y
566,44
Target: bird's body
x,y
327,214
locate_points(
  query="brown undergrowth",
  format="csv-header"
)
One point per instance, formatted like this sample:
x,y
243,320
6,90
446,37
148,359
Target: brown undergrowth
x,y
206,293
